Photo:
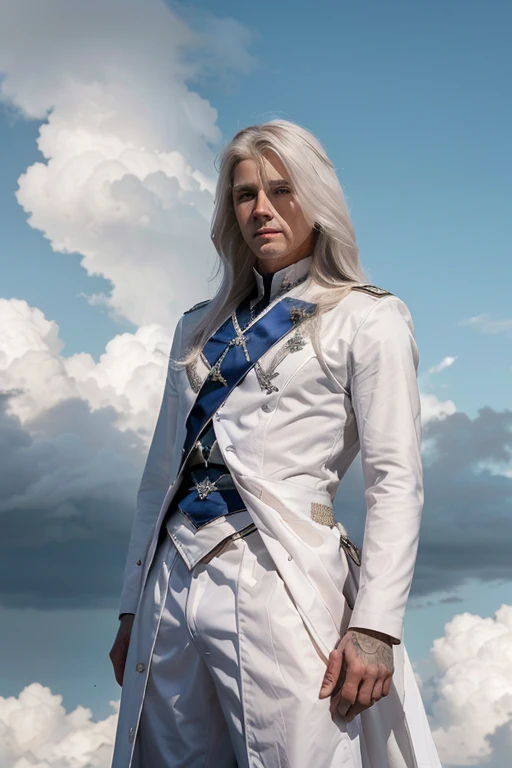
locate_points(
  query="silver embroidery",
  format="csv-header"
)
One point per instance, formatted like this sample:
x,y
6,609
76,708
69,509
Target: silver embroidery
x,y
287,284
194,379
205,487
322,513
265,379
240,339
299,314
295,344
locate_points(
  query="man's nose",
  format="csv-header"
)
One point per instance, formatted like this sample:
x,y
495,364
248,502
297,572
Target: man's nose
x,y
262,207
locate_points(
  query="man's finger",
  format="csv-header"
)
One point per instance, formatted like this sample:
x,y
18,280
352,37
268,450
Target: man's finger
x,y
332,673
341,676
377,689
362,702
365,692
350,689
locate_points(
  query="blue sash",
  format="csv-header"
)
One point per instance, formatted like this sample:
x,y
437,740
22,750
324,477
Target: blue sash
x,y
260,337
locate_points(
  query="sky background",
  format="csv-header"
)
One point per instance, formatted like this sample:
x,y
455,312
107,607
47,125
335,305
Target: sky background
x,y
111,116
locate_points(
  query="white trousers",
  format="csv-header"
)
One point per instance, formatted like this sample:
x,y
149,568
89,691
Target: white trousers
x,y
234,676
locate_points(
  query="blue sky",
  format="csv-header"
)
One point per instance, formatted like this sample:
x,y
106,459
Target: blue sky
x,y
412,102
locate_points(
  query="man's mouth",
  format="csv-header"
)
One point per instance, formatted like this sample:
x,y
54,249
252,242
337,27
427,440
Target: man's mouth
x,y
267,232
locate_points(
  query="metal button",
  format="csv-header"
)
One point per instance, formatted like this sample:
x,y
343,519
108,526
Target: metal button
x,y
290,557
140,667
230,447
131,734
267,407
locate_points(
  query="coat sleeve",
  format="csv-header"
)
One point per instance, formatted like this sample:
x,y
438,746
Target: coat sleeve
x,y
383,364
154,485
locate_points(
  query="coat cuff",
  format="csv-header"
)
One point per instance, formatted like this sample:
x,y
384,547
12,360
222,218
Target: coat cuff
x,y
378,622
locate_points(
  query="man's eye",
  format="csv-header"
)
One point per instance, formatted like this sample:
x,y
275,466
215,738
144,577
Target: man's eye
x,y
248,194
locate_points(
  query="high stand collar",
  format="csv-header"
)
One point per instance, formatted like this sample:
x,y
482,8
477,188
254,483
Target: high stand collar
x,y
292,273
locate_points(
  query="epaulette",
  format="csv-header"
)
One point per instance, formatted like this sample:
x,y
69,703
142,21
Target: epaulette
x,y
196,306
373,289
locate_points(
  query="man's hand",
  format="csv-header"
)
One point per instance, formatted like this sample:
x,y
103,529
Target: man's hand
x,y
119,650
359,672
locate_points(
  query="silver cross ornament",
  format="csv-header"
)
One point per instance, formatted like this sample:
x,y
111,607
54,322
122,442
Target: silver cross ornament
x,y
296,343
205,487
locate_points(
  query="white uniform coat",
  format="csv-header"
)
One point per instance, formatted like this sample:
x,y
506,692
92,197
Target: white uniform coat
x,y
287,452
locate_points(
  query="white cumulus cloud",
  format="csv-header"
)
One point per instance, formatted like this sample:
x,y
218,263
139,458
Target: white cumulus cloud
x,y
37,732
127,175
124,182
433,409
471,710
128,377
473,690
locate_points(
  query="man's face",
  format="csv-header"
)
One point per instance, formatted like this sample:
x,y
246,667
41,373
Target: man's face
x,y
270,219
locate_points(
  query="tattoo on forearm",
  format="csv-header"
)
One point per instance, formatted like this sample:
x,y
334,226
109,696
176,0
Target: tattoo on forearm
x,y
371,650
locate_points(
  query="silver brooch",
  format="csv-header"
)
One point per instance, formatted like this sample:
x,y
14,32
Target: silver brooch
x,y
295,344
299,314
205,487
265,379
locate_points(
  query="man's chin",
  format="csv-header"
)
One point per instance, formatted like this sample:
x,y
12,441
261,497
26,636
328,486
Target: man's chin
x,y
268,254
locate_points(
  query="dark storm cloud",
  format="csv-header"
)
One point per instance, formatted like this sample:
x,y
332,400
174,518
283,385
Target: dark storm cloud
x,y
67,496
68,484
467,521
501,744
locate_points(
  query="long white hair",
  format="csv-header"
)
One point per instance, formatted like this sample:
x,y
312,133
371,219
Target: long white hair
x,y
335,263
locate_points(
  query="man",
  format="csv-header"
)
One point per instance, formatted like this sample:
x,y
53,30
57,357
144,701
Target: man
x,y
253,632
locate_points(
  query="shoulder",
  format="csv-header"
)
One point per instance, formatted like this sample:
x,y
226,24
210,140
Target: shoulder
x,y
370,310
354,307
367,322
197,306
363,302
369,302
384,330
191,318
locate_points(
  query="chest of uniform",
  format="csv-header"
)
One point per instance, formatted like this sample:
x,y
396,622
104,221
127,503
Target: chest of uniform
x,y
269,373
